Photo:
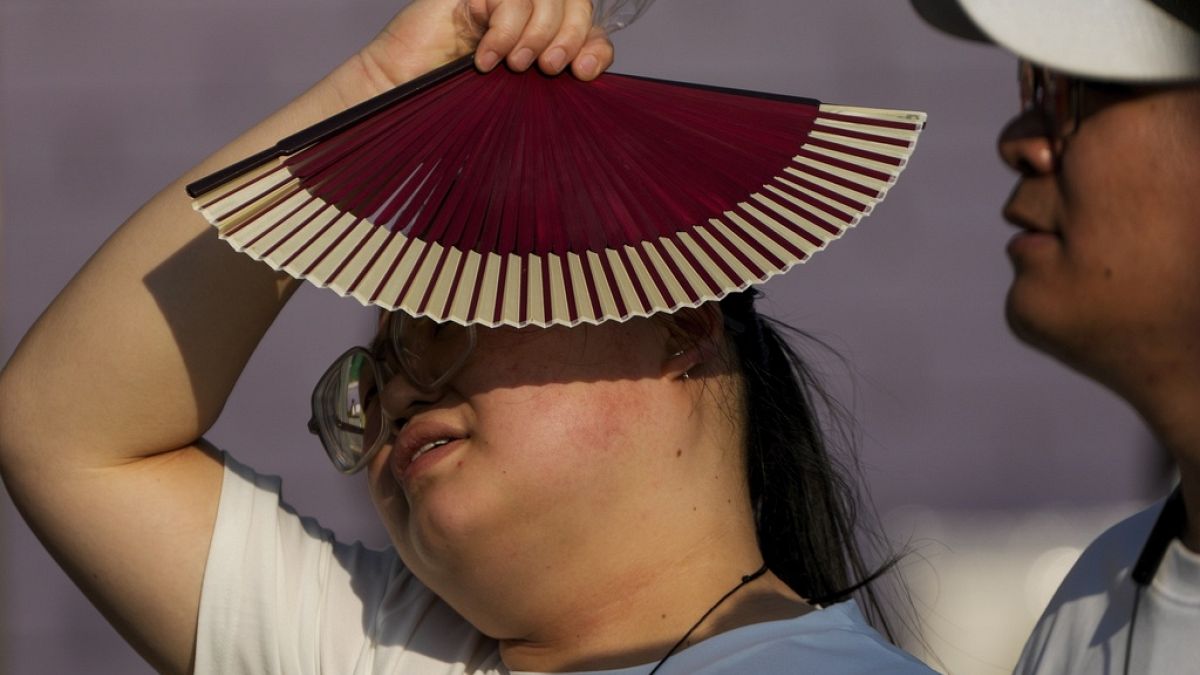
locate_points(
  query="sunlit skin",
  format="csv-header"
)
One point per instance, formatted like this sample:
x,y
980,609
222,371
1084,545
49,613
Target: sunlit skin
x,y
1107,265
596,506
160,323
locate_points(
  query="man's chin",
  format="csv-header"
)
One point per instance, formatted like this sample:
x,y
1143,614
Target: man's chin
x,y
1057,335
1038,326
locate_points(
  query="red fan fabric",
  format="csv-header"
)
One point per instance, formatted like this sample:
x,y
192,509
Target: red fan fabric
x,y
516,199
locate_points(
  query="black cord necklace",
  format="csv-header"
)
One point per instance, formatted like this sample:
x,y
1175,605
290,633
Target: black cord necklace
x,y
745,580
1169,525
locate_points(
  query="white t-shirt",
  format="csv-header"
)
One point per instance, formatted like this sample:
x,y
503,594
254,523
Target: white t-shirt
x,y
282,596
1086,626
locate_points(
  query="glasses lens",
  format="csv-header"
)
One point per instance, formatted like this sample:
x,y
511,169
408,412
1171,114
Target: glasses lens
x,y
1027,77
347,409
1053,95
1063,109
430,352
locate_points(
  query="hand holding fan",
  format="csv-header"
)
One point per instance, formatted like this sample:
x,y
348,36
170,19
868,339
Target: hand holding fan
x,y
516,199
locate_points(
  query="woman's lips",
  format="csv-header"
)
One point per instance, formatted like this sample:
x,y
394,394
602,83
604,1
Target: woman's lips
x,y
419,446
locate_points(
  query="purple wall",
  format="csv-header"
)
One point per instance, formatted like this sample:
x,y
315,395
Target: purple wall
x,y
103,102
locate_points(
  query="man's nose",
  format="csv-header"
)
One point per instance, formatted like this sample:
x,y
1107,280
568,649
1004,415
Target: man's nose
x,y
1026,146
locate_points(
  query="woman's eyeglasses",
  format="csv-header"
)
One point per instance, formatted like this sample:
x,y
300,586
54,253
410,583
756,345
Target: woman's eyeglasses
x,y
347,413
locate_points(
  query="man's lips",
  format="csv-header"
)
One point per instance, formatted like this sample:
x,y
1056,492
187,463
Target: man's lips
x,y
419,445
1028,209
1027,224
1037,235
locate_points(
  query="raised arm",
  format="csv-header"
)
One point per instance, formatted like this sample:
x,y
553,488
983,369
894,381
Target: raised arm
x,y
103,403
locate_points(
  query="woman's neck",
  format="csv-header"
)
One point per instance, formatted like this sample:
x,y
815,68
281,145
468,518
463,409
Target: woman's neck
x,y
641,619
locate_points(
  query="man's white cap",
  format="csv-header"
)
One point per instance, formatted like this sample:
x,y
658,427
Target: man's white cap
x,y
1117,40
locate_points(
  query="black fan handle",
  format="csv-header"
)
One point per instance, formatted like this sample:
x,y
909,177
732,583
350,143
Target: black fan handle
x,y
331,126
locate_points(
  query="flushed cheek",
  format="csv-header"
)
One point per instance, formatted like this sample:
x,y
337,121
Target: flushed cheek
x,y
561,466
595,451
574,420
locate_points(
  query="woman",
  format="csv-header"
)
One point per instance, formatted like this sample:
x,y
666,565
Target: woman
x,y
581,497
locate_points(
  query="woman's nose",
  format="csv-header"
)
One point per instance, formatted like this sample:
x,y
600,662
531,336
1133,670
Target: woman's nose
x,y
1026,146
401,399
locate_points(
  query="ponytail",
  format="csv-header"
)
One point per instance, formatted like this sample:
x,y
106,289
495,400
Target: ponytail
x,y
806,511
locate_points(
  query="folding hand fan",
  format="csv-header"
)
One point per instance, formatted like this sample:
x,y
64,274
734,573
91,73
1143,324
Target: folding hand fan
x,y
516,199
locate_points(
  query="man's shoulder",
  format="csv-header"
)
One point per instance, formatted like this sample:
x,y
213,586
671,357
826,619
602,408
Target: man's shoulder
x,y
1107,560
1093,603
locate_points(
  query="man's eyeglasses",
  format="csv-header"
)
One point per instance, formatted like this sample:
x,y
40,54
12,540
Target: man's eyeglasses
x,y
1063,101
347,413
1055,96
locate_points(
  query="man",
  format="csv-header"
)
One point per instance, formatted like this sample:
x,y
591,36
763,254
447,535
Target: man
x,y
1106,267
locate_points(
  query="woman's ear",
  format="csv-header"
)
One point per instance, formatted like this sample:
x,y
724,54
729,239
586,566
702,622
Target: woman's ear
x,y
680,363
695,337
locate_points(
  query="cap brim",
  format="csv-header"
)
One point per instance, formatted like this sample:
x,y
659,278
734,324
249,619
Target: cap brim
x,y
1119,40
948,16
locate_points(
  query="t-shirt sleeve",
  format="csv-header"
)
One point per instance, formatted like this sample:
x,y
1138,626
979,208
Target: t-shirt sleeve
x,y
1092,604
281,595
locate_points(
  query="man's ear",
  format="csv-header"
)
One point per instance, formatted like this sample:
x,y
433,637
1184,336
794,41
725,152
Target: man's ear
x,y
696,335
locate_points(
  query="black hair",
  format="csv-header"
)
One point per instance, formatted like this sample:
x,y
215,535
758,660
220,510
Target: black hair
x,y
806,509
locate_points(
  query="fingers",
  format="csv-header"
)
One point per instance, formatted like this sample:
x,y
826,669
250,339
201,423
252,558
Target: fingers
x,y
572,34
595,57
544,23
505,22
554,33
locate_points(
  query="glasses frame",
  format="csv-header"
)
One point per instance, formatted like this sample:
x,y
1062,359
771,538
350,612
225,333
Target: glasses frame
x,y
383,375
396,327
1055,96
